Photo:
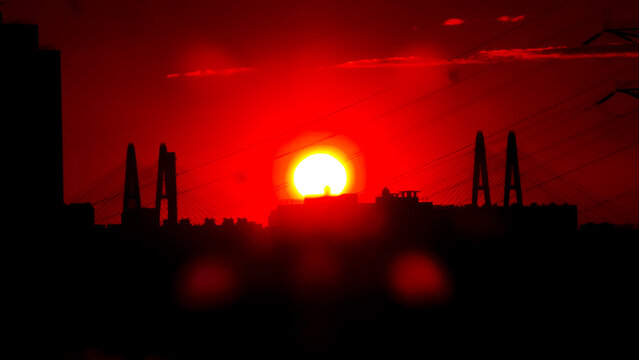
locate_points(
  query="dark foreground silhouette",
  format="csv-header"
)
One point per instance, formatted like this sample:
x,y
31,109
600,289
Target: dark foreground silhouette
x,y
333,274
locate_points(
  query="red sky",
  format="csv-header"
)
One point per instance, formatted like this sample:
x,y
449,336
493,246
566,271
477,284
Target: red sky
x,y
269,84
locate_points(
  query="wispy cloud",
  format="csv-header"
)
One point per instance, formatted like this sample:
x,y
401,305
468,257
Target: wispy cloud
x,y
503,18
507,18
453,22
502,55
561,53
384,62
211,72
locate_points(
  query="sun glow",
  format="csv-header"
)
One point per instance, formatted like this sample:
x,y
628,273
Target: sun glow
x,y
320,174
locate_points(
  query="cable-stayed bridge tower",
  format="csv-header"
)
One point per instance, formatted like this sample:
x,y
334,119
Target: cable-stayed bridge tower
x,y
166,185
480,172
513,180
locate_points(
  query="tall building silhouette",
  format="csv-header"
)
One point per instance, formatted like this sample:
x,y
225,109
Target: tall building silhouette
x,y
31,112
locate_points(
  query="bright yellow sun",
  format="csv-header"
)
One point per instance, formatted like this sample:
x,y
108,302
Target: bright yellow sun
x,y
318,174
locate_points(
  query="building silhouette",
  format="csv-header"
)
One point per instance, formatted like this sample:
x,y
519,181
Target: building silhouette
x,y
31,113
403,212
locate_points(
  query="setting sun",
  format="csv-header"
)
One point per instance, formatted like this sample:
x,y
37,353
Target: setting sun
x,y
319,174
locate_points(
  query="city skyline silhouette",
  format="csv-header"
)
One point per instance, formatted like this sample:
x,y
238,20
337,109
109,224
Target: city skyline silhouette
x,y
521,241
244,115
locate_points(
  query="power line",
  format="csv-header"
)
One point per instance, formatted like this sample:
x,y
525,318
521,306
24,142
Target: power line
x,y
416,100
269,139
348,106
584,165
604,202
506,128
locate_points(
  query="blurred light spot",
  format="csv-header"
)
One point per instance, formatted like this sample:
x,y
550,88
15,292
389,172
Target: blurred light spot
x,y
207,283
418,280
